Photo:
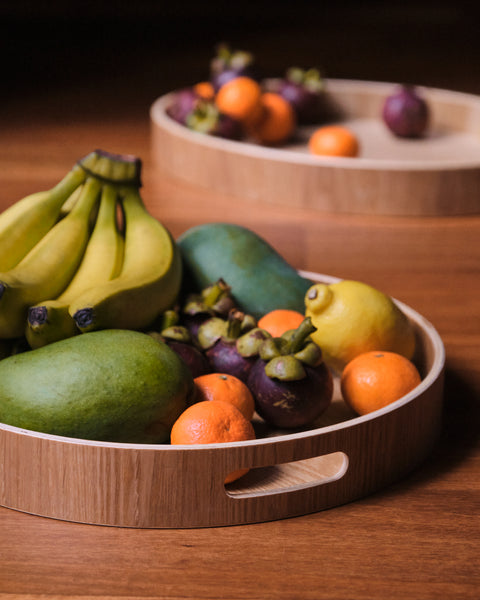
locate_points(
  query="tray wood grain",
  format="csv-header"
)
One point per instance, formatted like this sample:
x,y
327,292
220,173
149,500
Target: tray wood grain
x,y
436,175
340,459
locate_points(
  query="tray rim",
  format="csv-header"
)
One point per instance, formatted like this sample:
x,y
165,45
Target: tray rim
x,y
433,374
160,118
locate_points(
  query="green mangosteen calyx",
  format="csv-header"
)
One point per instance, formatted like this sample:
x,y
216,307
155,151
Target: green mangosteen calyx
x,y
214,300
286,356
238,329
170,329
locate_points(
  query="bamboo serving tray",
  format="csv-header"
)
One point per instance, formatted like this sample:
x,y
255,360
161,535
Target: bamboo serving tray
x,y
436,175
341,458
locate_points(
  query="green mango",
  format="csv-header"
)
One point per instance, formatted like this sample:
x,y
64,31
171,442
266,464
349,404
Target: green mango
x,y
260,278
111,385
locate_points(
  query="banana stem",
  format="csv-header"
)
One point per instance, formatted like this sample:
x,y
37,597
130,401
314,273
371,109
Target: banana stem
x,y
122,169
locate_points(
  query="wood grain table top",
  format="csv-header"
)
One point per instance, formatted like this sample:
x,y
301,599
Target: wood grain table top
x,y
416,539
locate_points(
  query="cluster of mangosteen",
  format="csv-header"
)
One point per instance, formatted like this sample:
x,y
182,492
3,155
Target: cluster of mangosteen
x,y
286,375
404,112
302,88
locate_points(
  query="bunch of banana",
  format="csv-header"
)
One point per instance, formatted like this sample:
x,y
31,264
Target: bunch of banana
x,y
149,281
49,266
69,268
50,321
24,224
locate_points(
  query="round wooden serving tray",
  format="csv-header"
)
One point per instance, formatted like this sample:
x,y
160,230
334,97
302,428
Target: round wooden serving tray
x,y
436,175
342,458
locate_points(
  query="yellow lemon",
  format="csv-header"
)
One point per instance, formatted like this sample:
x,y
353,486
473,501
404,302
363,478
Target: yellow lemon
x,y
352,317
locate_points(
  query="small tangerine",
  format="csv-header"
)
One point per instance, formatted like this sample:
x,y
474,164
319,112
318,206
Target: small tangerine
x,y
375,379
240,98
278,121
205,90
280,320
227,388
213,422
333,140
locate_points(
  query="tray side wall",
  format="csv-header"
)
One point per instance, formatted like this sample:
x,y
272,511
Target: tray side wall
x,y
155,488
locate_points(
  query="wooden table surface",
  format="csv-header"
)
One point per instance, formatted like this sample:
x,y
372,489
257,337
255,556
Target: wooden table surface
x,y
417,539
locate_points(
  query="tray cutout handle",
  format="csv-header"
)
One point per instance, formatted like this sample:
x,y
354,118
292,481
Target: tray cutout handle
x,y
290,476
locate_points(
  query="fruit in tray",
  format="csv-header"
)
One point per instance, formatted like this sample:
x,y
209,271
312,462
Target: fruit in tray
x,y
406,113
240,98
213,422
180,340
228,64
334,140
291,384
352,317
49,320
99,292
236,104
227,388
105,321
375,379
111,385
206,117
231,344
304,90
278,122
215,300
43,272
280,320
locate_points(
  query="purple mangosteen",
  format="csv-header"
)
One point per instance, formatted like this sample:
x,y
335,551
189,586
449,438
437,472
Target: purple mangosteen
x,y
213,301
207,118
231,345
304,90
289,381
179,339
183,104
229,64
406,113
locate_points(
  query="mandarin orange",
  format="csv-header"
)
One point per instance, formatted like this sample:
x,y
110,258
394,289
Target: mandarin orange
x,y
375,379
278,121
213,422
280,320
240,98
333,140
205,90
227,388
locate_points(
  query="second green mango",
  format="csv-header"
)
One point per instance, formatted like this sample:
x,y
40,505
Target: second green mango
x,y
260,278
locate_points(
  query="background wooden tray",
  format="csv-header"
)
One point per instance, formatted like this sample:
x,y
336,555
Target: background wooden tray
x,y
342,458
436,175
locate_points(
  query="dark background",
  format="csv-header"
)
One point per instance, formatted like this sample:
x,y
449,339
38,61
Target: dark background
x,y
143,48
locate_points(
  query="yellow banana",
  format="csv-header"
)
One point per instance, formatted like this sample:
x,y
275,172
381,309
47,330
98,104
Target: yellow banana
x,y
48,268
150,279
50,321
23,224
70,202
